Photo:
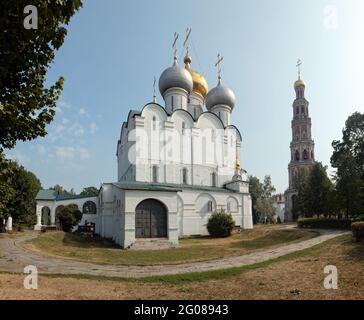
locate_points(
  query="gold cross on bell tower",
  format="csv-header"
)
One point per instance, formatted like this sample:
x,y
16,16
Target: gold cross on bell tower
x,y
218,65
298,65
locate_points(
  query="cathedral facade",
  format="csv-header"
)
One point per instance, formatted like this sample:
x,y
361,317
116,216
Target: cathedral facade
x,y
176,164
302,147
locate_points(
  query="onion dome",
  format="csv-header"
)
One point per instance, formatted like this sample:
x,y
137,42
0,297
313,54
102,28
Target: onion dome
x,y
299,83
175,77
220,95
200,85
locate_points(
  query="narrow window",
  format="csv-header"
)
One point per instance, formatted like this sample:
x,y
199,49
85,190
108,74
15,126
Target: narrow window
x,y
213,178
209,206
154,123
155,173
194,113
183,127
184,175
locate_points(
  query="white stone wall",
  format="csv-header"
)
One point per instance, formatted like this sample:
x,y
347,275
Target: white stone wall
x,y
175,142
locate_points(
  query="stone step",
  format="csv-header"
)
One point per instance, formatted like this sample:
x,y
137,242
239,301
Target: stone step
x,y
151,244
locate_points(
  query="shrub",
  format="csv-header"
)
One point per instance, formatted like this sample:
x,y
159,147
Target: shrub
x,y
220,224
359,218
358,230
324,223
69,216
279,220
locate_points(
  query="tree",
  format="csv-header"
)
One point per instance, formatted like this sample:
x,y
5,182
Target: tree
x,y
26,106
299,204
62,191
25,187
318,189
90,191
69,216
348,159
6,190
256,192
262,198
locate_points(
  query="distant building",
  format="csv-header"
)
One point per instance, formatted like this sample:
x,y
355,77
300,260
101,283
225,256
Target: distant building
x,y
280,206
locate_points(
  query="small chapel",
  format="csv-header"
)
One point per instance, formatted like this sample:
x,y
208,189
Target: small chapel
x,y
177,163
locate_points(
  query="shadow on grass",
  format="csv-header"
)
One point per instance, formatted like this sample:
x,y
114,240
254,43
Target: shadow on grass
x,y
275,237
76,240
356,249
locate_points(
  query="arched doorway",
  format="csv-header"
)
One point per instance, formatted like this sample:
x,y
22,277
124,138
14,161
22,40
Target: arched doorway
x,y
46,216
150,219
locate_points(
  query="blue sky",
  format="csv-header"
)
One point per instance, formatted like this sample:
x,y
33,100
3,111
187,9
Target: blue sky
x,y
114,49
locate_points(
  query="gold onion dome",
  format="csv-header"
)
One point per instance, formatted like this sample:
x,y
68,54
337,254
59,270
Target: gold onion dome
x,y
200,85
299,83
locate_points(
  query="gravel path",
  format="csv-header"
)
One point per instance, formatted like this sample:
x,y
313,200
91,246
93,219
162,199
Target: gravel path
x,y
14,258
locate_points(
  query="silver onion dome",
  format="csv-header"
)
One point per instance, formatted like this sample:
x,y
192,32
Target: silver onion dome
x,y
220,95
175,77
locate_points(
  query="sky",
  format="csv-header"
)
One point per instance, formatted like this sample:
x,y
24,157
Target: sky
x,y
114,49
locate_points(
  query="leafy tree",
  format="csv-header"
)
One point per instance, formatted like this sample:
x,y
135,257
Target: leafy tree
x,y
25,187
348,159
6,190
299,204
318,189
26,106
90,191
256,192
265,209
61,191
262,198
69,216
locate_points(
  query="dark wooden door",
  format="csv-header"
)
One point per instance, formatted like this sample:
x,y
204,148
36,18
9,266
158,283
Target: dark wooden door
x,y
150,220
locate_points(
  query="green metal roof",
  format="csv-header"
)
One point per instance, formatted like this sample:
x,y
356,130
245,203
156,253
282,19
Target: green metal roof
x,y
52,195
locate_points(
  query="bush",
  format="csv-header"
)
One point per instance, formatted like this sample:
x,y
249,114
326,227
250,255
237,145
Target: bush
x,y
324,223
279,220
220,224
69,216
358,230
359,218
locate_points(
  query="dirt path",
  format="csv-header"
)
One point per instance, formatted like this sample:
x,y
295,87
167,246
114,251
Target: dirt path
x,y
15,258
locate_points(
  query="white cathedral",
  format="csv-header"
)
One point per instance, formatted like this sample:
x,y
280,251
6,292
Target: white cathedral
x,y
176,164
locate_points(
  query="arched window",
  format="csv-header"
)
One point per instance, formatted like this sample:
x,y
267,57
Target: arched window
x,y
155,173
303,110
213,179
184,176
194,113
209,206
228,207
297,110
297,155
154,123
89,207
305,155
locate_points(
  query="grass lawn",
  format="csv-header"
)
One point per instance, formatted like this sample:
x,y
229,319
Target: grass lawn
x,y
296,276
72,246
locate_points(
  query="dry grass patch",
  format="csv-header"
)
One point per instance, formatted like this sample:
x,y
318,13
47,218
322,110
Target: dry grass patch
x,y
298,276
72,246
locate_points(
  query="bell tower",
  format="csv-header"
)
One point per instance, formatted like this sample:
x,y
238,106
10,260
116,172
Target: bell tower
x,y
302,145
